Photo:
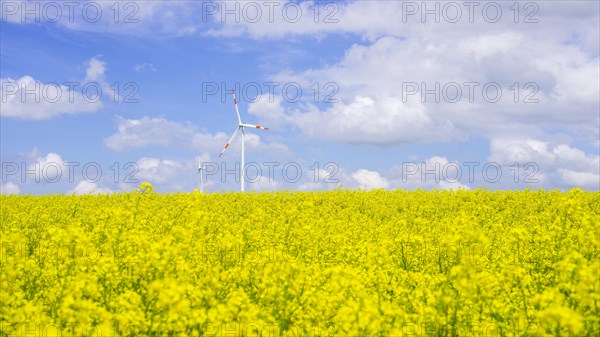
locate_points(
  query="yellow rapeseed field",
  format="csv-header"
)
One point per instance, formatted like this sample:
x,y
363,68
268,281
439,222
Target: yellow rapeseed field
x,y
338,263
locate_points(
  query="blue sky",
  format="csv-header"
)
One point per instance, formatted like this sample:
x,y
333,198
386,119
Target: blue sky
x,y
374,58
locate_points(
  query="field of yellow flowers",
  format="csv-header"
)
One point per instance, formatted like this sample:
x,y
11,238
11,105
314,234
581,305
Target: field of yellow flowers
x,y
338,263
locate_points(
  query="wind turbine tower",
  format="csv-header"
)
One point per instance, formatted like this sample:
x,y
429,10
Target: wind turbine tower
x,y
200,169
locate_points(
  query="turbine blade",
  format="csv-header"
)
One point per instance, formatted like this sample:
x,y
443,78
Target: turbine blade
x,y
230,140
237,111
254,126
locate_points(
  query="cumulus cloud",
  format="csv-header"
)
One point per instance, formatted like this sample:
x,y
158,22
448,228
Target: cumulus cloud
x,y
374,120
160,171
546,75
182,175
440,91
436,172
27,98
95,71
579,178
372,20
35,168
87,187
271,113
326,179
140,133
49,160
558,164
307,18
31,99
9,188
156,131
42,173
370,179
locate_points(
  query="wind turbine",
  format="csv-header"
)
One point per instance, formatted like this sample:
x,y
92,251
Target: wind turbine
x,y
241,126
200,168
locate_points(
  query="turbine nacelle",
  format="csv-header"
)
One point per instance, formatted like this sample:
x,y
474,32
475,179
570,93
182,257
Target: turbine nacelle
x,y
252,126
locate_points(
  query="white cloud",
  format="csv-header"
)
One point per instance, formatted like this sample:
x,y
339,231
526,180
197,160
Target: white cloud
x,y
87,187
369,179
95,71
560,63
322,179
9,188
271,113
375,120
367,19
436,172
154,131
374,19
35,168
511,150
50,173
160,171
182,175
31,99
379,105
49,168
50,159
138,68
559,164
140,133
277,19
169,175
579,179
45,101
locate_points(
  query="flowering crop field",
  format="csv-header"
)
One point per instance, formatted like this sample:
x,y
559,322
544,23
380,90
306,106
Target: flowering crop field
x,y
338,263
